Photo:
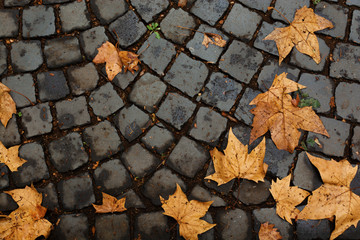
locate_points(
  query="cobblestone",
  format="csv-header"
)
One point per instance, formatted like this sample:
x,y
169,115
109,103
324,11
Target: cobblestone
x,y
9,26
347,100
112,227
201,194
252,192
345,62
50,198
4,177
267,45
108,10
36,120
23,83
305,175
152,226
71,113
210,11
288,8
38,21
133,200
310,229
10,136
356,144
259,5
234,224
355,27
26,56
72,226
82,79
3,58
243,110
124,79
74,16
13,3
158,139
62,51
52,85
91,40
148,10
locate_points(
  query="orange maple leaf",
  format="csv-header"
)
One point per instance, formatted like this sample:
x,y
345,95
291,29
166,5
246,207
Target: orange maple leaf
x,y
110,204
213,38
268,232
10,157
7,105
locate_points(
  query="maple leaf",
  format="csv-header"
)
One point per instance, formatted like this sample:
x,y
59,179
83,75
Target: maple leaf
x,y
115,60
287,198
334,197
110,204
300,33
268,232
213,38
237,162
10,157
187,214
275,111
26,222
7,105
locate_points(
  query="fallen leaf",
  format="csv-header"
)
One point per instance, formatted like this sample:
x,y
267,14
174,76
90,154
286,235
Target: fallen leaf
x,y
213,38
237,162
7,105
10,157
295,102
287,198
187,214
268,232
300,34
110,204
334,197
182,3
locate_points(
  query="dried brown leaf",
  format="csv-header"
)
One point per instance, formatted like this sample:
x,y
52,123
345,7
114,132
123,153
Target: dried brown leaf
x,y
110,204
7,105
268,232
213,38
10,157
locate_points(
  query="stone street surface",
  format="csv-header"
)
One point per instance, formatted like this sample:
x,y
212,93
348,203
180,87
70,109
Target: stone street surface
x,y
142,133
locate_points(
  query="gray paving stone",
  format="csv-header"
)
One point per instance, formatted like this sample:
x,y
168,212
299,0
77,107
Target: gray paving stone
x,y
68,153
157,53
131,121
210,11
71,226
124,79
252,192
132,200
36,120
336,14
158,138
105,100
267,45
243,110
221,91
112,227
259,5
71,113
38,21
346,63
50,198
175,18
288,8
7,203
222,189
147,92
148,10
187,74
4,178
128,28
201,194
347,101
9,23
55,1
355,147
76,192
13,3
210,54
82,79
24,84
208,235
34,169
163,183
62,51
234,224
152,225
351,233
52,85
91,40
241,61
320,88
355,27
108,10
209,126
103,140
335,145
353,2
241,22
3,58
74,16
26,56
176,110
188,157
139,161
263,215
10,136
111,177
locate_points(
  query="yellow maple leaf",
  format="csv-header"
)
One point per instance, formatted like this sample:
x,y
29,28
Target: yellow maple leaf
x,y
7,105
10,157
268,232
187,214
110,204
213,38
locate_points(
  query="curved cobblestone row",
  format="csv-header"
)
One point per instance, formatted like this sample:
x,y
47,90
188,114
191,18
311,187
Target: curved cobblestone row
x,y
85,135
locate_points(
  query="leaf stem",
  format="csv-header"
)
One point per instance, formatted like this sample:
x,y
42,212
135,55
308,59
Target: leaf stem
x,y
23,96
281,14
190,29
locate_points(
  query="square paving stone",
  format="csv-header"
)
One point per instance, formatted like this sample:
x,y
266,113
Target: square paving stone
x,y
4,178
267,45
152,225
259,5
252,192
111,177
188,157
355,148
221,91
355,27
335,145
158,138
68,153
50,198
346,62
288,8
36,120
74,16
82,79
112,227
24,84
243,110
132,200
7,203
209,126
3,58
209,11
157,53
139,161
201,194
10,136
34,169
13,3
350,233
175,18
353,2
91,40
347,99
128,29
211,53
176,110
54,1
38,21
147,92
76,192
108,10
26,56
124,79
241,22
71,226
52,85
148,9
241,61
234,224
187,74
71,113
62,51
105,100
103,140
9,23
132,121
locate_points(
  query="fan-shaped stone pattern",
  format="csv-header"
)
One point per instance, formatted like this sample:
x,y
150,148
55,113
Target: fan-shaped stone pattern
x,y
243,110
9,26
346,62
152,226
74,16
91,40
112,226
158,138
108,10
62,51
52,85
82,79
26,55
148,9
36,120
71,113
234,224
23,83
71,226
209,11
38,21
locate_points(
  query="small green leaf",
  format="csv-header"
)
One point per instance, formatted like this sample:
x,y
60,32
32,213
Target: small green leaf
x,y
155,25
157,35
19,114
311,142
149,27
304,145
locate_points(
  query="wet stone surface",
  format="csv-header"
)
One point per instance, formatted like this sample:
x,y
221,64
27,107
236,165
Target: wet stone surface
x,y
347,101
108,10
23,83
50,197
3,60
52,85
152,226
91,40
10,136
355,27
209,11
36,120
346,64
356,141
71,113
82,79
9,26
112,227
72,226
26,56
62,51
38,21
234,224
267,45
201,194
243,110
74,16
288,8
252,192
158,138
148,10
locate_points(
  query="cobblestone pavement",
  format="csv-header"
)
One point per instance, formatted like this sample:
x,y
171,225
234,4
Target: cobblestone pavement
x,y
86,134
